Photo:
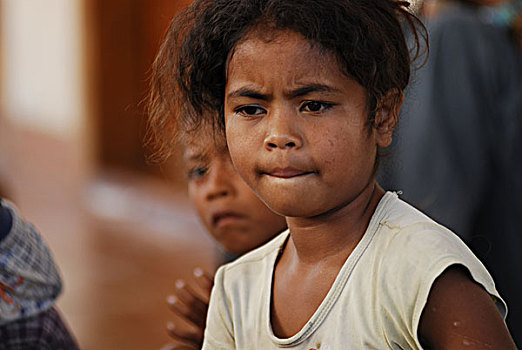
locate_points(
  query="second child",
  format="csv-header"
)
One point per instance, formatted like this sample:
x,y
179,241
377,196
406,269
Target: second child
x,y
230,211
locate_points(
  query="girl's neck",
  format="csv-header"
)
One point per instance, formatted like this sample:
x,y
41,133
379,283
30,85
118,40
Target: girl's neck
x,y
332,237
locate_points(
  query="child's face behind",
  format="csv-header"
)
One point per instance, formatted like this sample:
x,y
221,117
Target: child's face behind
x,y
231,212
297,127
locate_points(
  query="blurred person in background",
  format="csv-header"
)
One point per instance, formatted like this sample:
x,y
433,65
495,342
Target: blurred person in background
x,y
458,151
29,286
233,215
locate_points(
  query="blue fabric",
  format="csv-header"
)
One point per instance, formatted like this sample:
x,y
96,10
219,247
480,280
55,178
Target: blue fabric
x,y
29,278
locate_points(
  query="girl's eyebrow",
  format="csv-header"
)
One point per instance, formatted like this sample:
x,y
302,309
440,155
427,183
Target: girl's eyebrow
x,y
299,92
305,90
249,92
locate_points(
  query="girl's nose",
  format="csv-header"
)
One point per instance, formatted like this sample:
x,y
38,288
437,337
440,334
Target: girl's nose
x,y
283,133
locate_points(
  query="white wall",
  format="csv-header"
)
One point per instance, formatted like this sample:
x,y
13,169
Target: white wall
x,y
42,65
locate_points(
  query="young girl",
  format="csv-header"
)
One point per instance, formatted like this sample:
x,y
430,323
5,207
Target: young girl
x,y
308,92
232,214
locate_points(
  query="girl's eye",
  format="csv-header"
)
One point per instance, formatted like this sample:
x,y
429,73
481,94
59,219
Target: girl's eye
x,y
250,111
196,173
315,106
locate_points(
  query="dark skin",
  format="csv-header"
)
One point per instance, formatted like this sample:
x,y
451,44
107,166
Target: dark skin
x,y
460,313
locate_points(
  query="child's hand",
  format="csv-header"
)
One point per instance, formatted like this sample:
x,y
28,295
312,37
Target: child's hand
x,y
190,303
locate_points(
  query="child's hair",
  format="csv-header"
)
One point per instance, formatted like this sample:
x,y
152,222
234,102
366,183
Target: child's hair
x,y
189,74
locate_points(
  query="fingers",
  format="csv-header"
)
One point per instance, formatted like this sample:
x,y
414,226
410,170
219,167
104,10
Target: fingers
x,y
192,315
204,280
188,304
193,337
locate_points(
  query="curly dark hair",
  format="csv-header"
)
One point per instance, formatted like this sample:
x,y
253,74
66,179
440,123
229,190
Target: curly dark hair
x,y
189,73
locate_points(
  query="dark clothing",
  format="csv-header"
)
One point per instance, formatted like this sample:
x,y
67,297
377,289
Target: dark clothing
x,y
458,149
45,331
6,221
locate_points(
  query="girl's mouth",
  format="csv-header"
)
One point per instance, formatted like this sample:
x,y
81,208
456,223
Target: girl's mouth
x,y
286,173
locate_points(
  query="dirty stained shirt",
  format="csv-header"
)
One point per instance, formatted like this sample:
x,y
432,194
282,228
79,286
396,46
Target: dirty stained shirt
x,y
375,302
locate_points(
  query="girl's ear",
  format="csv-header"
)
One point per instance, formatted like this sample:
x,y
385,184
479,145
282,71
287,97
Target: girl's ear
x,y
386,116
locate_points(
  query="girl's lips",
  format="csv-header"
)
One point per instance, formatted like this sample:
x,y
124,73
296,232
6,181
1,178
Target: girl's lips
x,y
286,173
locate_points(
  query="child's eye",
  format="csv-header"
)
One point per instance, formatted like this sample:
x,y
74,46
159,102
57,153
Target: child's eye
x,y
250,110
315,106
196,173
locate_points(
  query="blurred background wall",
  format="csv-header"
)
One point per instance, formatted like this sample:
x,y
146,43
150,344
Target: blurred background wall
x,y
73,77
42,65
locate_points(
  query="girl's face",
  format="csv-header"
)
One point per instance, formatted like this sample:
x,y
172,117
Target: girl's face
x,y
297,127
230,211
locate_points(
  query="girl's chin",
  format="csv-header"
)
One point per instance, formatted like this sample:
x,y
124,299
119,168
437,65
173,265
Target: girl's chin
x,y
295,209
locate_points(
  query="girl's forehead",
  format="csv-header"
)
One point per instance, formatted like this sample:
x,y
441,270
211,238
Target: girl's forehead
x,y
287,56
260,38
279,44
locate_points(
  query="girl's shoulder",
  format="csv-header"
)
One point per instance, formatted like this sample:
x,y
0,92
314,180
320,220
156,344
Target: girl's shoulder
x,y
408,236
410,251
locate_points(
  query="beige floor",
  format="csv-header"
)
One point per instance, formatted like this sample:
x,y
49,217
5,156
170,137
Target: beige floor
x,y
121,241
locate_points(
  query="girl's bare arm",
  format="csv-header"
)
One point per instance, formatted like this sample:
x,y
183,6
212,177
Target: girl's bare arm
x,y
459,314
